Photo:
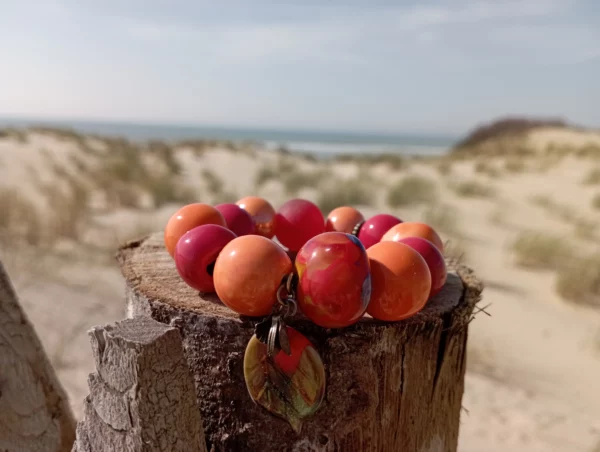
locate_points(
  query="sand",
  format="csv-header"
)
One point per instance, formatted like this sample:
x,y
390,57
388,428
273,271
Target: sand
x,y
534,364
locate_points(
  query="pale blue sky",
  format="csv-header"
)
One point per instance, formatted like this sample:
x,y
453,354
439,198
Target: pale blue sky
x,y
439,66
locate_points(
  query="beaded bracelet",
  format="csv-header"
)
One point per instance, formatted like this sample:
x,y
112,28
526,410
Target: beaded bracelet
x,y
334,270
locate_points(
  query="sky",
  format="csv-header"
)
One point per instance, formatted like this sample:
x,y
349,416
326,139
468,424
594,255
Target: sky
x,y
366,66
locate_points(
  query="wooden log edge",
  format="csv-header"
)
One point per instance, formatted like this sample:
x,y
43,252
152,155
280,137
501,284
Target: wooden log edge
x,y
34,409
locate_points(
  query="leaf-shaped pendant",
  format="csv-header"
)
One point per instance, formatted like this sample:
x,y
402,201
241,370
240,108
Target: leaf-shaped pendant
x,y
289,386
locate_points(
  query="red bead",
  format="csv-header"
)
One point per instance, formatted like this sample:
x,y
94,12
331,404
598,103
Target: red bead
x,y
401,281
375,227
343,219
196,253
296,222
334,284
238,220
434,259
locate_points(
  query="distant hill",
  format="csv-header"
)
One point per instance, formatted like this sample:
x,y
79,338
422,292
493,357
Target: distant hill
x,y
506,127
528,136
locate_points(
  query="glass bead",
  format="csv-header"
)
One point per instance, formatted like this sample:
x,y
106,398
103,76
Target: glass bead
x,y
248,273
401,281
434,259
296,222
413,229
343,219
262,212
187,218
196,253
375,227
238,220
334,283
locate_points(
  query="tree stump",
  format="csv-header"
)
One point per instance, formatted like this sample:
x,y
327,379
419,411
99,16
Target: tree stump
x,y
390,386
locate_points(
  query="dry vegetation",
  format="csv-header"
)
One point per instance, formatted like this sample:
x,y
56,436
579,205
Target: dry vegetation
x,y
353,192
539,250
411,190
578,281
473,189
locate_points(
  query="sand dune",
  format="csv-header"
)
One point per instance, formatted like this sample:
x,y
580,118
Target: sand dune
x,y
528,225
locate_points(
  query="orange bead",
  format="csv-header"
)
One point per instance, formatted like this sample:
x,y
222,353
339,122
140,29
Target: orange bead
x,y
400,281
186,219
262,212
248,273
343,219
412,229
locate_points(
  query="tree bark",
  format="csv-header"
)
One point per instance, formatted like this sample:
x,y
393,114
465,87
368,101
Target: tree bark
x,y
390,386
142,396
34,410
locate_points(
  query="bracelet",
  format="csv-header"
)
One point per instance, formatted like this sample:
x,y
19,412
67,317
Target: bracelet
x,y
333,269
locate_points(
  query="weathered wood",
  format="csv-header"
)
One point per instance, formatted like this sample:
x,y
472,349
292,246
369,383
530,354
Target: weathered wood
x,y
34,411
142,396
390,386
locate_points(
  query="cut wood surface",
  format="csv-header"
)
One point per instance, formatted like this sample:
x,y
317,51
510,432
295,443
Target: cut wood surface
x,y
34,410
390,386
142,396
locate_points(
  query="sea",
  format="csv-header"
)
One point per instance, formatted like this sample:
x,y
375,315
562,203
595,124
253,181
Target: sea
x,y
321,144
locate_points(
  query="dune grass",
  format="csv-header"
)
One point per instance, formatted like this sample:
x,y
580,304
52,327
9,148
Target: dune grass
x,y
514,165
444,167
394,161
579,281
443,218
596,202
411,190
352,192
592,177
19,220
486,168
473,189
539,250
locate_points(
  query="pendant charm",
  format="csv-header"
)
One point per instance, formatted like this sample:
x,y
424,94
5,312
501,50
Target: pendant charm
x,y
284,372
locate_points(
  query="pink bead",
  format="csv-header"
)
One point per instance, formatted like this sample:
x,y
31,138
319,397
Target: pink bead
x,y
196,253
298,221
434,259
238,220
375,227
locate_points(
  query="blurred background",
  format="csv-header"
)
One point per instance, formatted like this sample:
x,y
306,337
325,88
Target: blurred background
x,y
477,117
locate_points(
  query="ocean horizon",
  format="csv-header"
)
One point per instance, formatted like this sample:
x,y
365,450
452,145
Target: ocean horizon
x,y
322,144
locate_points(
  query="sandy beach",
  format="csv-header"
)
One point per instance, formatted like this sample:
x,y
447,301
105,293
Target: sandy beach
x,y
523,211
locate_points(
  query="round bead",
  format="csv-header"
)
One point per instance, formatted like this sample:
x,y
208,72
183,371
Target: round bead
x,y
248,273
187,218
262,212
375,227
413,229
196,253
343,219
401,281
238,220
296,222
434,259
334,283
